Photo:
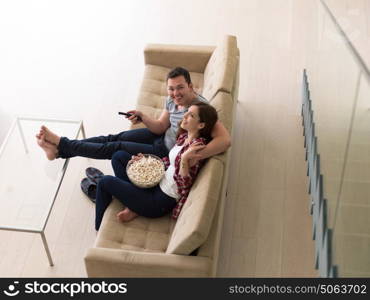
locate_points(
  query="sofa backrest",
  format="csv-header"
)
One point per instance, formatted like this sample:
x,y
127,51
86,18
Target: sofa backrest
x,y
223,103
194,223
219,74
210,248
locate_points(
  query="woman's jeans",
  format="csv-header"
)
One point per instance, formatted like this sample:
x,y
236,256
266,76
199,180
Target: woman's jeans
x,y
103,147
151,202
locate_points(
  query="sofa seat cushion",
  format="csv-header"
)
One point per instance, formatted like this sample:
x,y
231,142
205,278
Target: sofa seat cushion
x,y
140,234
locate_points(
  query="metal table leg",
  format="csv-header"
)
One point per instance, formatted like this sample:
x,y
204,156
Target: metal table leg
x,y
46,248
82,127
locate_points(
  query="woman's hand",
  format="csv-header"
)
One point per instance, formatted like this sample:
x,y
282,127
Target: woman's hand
x,y
189,158
191,154
136,157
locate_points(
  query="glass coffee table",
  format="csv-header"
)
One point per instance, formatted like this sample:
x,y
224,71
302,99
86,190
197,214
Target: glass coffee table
x,y
29,183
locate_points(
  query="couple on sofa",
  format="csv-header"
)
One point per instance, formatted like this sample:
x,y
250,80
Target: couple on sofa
x,y
186,133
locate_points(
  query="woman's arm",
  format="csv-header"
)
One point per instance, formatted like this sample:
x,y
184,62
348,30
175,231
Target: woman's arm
x,y
220,142
185,166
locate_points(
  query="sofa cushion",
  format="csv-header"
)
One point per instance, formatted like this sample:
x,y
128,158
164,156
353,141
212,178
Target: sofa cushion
x,y
219,74
193,224
223,103
141,234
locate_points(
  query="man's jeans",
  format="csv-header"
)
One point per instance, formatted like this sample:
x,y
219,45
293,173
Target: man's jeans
x,y
103,147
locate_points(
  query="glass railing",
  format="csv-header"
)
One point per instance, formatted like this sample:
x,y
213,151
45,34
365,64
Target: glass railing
x,y
339,93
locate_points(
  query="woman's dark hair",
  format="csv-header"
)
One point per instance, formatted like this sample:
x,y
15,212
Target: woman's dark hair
x,y
207,115
178,71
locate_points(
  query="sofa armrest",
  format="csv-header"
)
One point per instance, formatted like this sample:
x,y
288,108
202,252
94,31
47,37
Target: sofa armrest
x,y
193,58
106,262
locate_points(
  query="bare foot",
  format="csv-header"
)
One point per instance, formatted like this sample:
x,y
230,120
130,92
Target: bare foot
x,y
39,134
126,215
49,135
51,150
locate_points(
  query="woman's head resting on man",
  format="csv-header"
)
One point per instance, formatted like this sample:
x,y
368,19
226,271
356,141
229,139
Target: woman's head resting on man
x,y
200,118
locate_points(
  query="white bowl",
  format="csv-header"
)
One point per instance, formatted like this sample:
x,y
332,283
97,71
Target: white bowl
x,y
143,178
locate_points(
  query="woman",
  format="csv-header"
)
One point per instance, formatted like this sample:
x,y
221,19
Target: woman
x,y
171,193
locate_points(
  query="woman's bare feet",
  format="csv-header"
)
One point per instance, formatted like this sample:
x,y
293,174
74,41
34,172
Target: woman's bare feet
x,y
49,136
126,215
51,150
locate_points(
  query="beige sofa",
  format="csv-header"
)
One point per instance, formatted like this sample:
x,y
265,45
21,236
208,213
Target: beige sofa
x,y
189,246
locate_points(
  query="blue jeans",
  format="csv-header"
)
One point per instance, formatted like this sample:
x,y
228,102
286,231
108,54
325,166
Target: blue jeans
x,y
103,147
150,203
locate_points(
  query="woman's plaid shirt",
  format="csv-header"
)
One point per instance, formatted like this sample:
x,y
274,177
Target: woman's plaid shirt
x,y
184,183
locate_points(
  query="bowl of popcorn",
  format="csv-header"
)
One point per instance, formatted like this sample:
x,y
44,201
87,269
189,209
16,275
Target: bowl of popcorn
x,y
146,171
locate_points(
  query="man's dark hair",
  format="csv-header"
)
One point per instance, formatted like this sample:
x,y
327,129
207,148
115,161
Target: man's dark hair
x,y
179,71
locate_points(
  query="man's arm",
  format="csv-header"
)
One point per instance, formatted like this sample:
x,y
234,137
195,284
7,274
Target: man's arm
x,y
220,142
158,126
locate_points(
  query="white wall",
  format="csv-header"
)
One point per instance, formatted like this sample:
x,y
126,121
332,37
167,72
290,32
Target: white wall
x,y
68,59
62,59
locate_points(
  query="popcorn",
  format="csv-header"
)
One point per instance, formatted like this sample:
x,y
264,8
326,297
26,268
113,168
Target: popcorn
x,y
146,172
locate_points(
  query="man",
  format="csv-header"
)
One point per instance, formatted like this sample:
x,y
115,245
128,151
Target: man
x,y
158,138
